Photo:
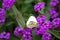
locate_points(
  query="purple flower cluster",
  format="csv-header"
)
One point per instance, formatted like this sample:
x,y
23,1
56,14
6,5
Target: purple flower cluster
x,y
5,35
47,24
46,36
54,2
7,4
43,25
38,6
53,13
56,22
2,18
26,33
40,29
18,30
41,18
2,12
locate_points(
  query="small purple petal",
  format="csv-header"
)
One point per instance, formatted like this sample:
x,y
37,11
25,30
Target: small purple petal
x,y
18,30
7,4
38,6
56,22
46,36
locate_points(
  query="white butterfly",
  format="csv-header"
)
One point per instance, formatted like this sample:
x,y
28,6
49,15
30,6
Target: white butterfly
x,y
32,22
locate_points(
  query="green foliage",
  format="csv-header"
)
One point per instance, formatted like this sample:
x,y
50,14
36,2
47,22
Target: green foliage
x,y
36,37
19,17
19,14
56,34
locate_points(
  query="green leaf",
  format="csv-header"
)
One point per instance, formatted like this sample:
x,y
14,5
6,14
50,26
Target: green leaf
x,y
8,23
0,3
1,39
42,11
19,2
14,37
47,15
28,1
36,37
47,10
52,38
25,7
18,16
56,34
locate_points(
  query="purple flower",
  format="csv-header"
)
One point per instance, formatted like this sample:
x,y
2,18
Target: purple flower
x,y
53,13
38,6
39,30
5,35
40,19
1,36
27,31
54,2
2,12
56,22
47,24
43,25
26,37
2,19
7,4
18,30
27,34
46,36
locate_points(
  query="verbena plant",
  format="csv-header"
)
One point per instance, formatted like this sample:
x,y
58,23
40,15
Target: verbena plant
x,y
29,19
